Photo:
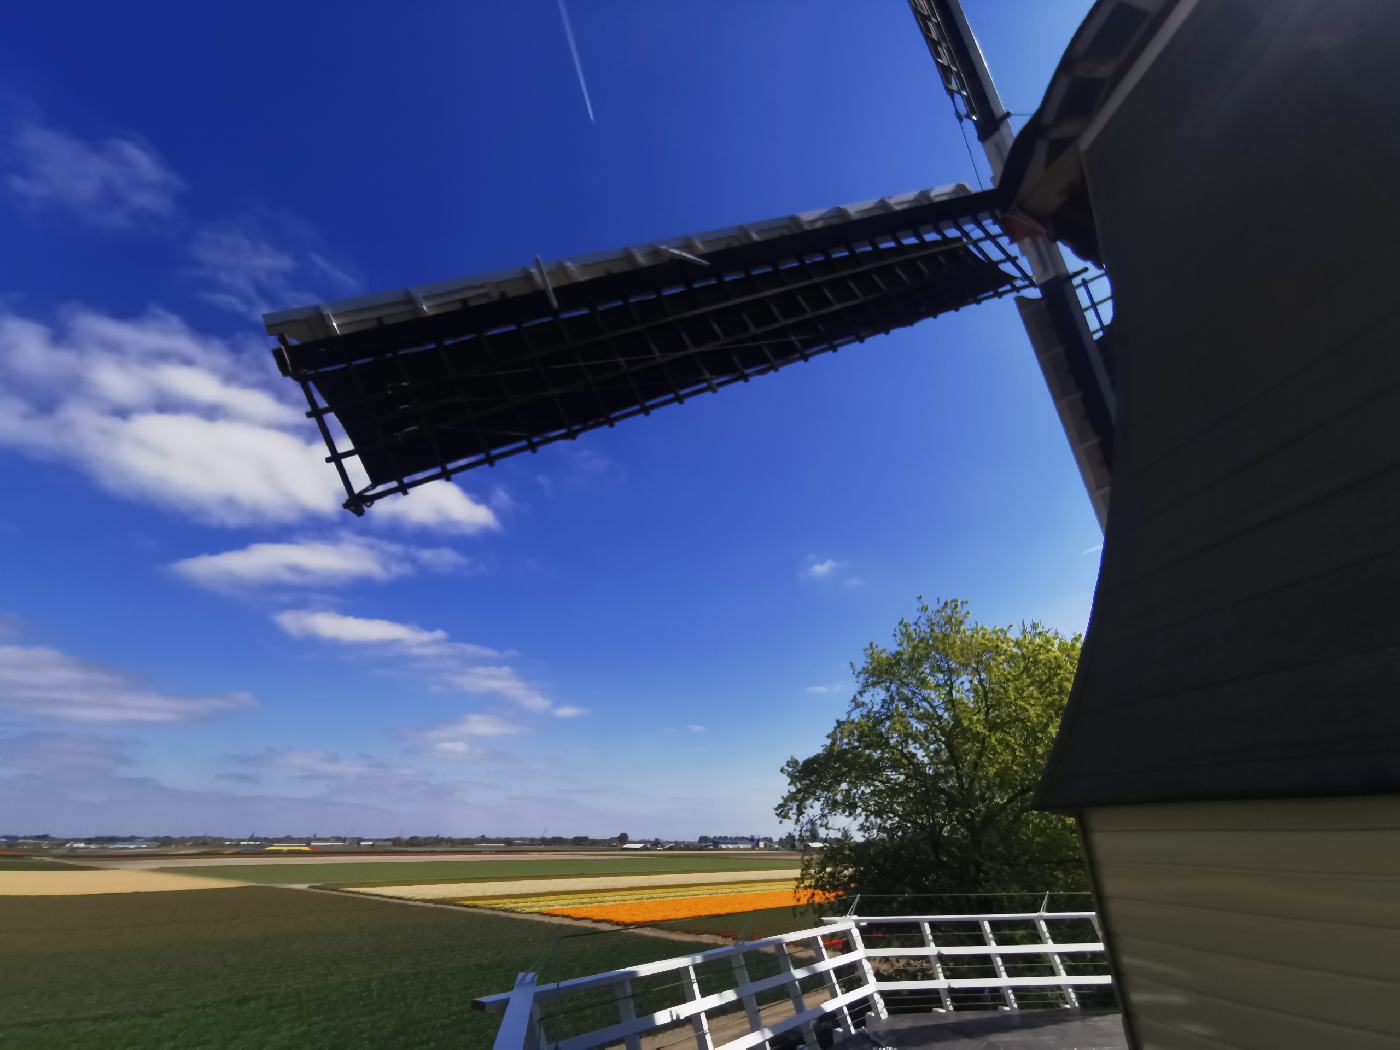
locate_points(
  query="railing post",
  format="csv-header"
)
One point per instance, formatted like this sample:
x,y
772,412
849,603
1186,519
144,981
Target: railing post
x,y
741,978
627,1011
877,1001
700,1022
1006,993
936,960
536,1038
521,1028
1071,1000
794,987
833,986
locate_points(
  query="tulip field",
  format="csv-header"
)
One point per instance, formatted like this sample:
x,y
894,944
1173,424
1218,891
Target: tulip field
x,y
641,898
654,910
642,905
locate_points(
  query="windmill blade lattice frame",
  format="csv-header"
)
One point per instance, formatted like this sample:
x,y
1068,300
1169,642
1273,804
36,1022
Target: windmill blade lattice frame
x,y
420,385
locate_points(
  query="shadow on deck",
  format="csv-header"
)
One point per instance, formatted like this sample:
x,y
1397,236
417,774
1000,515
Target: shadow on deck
x,y
985,1030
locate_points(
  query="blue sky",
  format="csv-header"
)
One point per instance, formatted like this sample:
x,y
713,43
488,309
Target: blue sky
x,y
630,632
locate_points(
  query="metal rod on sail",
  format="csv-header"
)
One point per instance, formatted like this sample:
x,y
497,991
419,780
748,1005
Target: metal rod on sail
x,y
1055,323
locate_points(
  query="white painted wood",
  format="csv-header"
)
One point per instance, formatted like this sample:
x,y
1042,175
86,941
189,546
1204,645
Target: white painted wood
x,y
578,984
518,1027
1071,1000
996,983
631,1029
537,1036
992,916
627,1010
741,981
1066,948
936,962
688,1010
833,988
877,1001
799,1001
802,1020
698,1020
1006,993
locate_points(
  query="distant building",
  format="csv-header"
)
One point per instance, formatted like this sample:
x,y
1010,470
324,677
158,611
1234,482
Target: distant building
x,y
732,842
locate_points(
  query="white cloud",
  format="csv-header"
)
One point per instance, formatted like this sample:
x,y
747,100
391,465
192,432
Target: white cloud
x,y
456,739
831,687
324,765
240,266
354,630
499,681
693,729
820,570
476,725
117,183
227,472
449,666
314,563
44,683
151,409
438,505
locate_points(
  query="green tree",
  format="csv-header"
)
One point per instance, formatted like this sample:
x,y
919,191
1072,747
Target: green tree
x,y
925,786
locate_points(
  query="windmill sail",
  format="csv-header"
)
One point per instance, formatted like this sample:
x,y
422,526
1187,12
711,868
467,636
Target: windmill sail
x,y
424,383
1066,322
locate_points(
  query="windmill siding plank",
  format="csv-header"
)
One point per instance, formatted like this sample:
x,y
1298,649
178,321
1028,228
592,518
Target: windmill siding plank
x,y
1257,924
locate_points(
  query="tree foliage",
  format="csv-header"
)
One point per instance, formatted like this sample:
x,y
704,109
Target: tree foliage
x,y
925,786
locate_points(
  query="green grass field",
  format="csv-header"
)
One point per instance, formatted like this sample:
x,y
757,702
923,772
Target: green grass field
x,y
262,967
13,863
371,873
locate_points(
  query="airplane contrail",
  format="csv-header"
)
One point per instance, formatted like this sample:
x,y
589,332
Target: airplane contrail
x,y
578,66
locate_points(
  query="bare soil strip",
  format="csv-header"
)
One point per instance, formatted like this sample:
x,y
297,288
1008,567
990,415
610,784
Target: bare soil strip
x,y
439,890
78,883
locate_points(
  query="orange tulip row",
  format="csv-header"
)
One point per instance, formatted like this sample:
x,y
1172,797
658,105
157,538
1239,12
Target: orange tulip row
x,y
632,913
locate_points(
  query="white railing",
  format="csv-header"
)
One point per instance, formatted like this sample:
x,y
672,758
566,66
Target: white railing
x,y
830,977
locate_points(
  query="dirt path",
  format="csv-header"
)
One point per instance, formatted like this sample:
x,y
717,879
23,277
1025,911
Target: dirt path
x,y
81,883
